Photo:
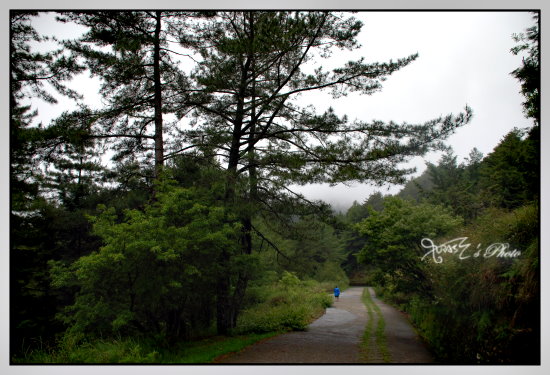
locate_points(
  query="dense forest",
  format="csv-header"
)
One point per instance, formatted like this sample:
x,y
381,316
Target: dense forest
x,y
167,216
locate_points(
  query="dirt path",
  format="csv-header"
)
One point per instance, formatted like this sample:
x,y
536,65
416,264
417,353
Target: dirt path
x,y
403,344
336,337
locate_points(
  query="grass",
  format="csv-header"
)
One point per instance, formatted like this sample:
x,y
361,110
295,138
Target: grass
x,y
368,331
206,351
287,305
290,305
379,337
131,351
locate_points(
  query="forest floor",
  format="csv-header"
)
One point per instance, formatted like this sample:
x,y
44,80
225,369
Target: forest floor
x,y
337,336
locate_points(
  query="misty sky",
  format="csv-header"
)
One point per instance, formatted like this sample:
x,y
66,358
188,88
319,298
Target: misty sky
x,y
464,58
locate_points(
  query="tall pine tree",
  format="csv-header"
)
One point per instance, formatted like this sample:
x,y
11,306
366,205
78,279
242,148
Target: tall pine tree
x,y
130,52
253,71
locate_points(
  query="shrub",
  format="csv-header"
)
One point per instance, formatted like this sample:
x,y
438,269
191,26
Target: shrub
x,y
155,272
288,305
484,310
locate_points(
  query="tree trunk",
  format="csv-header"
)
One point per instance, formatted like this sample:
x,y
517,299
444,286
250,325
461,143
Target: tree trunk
x,y
246,240
225,305
228,306
159,142
224,320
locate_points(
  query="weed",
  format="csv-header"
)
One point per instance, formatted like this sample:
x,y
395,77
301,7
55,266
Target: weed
x,y
379,336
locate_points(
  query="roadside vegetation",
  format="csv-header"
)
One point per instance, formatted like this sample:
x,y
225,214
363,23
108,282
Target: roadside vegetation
x,y
140,351
163,225
458,248
288,304
374,343
461,255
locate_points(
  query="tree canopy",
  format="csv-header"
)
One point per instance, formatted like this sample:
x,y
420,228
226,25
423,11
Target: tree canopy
x,y
206,129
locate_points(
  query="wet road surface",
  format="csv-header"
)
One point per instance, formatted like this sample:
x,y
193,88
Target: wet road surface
x,y
336,337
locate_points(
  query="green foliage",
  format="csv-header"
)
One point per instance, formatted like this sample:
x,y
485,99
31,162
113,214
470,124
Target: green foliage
x,y
457,186
273,307
353,241
235,110
416,188
394,238
507,177
477,310
290,304
483,310
357,212
31,70
333,274
289,280
139,83
510,174
163,265
306,246
49,233
142,351
31,73
163,271
529,73
155,270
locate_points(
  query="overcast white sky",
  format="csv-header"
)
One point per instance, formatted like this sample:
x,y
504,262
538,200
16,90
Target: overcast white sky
x,y
492,95
464,58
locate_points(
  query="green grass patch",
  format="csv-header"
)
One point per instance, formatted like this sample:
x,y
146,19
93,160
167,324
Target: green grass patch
x,y
289,304
206,351
368,331
379,336
135,351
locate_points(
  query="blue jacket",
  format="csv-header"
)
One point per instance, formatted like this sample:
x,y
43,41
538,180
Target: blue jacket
x,y
336,292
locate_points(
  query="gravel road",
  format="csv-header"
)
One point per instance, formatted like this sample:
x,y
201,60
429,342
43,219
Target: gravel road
x,y
335,338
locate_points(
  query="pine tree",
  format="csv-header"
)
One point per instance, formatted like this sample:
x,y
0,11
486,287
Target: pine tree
x,y
34,75
509,174
130,52
252,72
529,73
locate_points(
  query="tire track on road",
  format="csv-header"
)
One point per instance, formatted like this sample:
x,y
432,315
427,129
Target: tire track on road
x,y
344,334
374,339
402,342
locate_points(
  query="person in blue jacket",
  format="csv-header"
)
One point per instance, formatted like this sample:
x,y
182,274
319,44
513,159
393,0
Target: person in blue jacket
x,y
336,292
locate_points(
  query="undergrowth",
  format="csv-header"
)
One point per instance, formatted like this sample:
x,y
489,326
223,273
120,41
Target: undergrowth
x,y
379,336
482,310
289,305
286,305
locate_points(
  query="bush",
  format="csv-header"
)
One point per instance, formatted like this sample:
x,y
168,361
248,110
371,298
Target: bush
x,y
332,273
73,350
483,310
155,273
288,305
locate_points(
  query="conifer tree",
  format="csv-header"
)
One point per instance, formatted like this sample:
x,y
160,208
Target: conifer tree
x,y
529,72
245,90
34,75
130,52
254,68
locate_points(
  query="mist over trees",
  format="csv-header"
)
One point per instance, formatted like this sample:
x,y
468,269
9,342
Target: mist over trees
x,y
188,223
476,297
